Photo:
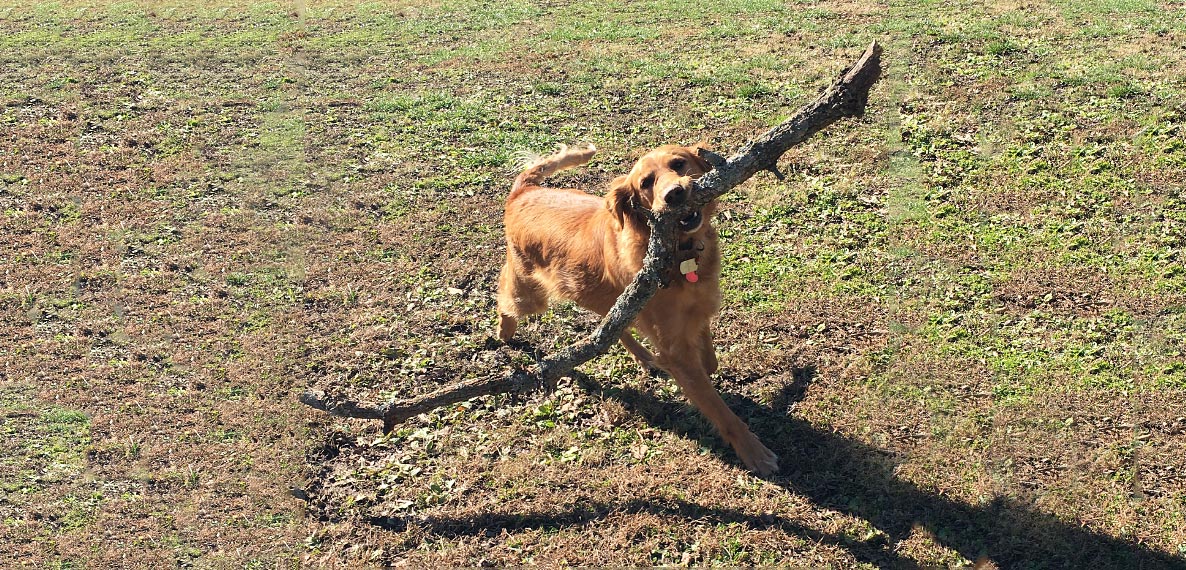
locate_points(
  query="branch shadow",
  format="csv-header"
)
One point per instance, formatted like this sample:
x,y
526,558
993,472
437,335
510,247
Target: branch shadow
x,y
492,525
854,478
844,475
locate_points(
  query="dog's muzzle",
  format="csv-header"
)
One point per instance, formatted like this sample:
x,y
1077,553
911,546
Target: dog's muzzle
x,y
692,222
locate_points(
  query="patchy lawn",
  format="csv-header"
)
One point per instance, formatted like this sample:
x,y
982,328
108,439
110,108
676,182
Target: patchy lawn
x,y
960,320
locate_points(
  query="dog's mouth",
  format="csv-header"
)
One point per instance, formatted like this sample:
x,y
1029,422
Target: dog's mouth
x,y
692,222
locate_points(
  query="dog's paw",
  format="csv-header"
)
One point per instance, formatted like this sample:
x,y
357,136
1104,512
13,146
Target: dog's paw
x,y
757,457
506,327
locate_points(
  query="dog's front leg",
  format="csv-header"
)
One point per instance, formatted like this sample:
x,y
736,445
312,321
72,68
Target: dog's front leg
x,y
698,388
708,353
641,355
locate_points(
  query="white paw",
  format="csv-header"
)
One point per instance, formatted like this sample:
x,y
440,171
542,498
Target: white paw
x,y
758,458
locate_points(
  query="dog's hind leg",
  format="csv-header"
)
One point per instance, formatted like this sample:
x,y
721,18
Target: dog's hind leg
x,y
517,298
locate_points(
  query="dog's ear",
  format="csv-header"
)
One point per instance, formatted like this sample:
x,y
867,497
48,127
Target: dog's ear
x,y
707,158
621,199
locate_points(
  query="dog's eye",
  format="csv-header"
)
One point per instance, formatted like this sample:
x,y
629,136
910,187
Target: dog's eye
x,y
648,181
677,164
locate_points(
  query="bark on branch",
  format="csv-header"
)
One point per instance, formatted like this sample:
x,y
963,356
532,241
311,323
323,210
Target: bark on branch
x,y
846,97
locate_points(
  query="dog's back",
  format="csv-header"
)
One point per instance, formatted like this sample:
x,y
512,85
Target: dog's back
x,y
555,240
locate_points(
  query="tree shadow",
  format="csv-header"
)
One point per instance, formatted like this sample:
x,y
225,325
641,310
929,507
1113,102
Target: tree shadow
x,y
847,476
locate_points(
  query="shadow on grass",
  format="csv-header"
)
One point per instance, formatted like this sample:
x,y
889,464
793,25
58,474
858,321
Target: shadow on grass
x,y
850,477
873,551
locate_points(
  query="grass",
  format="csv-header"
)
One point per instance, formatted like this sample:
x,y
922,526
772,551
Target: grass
x,y
958,320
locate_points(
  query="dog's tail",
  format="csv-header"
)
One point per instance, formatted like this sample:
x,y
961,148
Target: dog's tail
x,y
536,168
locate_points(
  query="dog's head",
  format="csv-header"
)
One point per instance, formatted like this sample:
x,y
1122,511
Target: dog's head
x,y
662,178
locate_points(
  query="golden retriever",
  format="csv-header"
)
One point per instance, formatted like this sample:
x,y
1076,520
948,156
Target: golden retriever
x,y
566,244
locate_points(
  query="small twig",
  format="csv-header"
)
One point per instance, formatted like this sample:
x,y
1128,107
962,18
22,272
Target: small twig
x,y
397,411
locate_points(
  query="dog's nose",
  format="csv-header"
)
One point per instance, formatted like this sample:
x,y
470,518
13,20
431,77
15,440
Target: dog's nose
x,y
675,195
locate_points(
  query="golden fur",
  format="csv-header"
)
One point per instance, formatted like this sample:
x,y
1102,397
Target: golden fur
x,y
566,244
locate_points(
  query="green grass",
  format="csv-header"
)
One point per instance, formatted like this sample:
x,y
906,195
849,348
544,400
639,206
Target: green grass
x,y
43,457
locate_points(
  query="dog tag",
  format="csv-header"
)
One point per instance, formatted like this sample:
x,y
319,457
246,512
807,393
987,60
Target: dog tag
x,y
688,267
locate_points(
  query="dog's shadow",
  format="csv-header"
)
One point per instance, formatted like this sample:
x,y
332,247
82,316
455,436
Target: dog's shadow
x,y
851,477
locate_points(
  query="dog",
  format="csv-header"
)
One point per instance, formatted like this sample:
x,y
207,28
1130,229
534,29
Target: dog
x,y
567,244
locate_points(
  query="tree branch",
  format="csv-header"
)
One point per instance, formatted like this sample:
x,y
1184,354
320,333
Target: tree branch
x,y
846,97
